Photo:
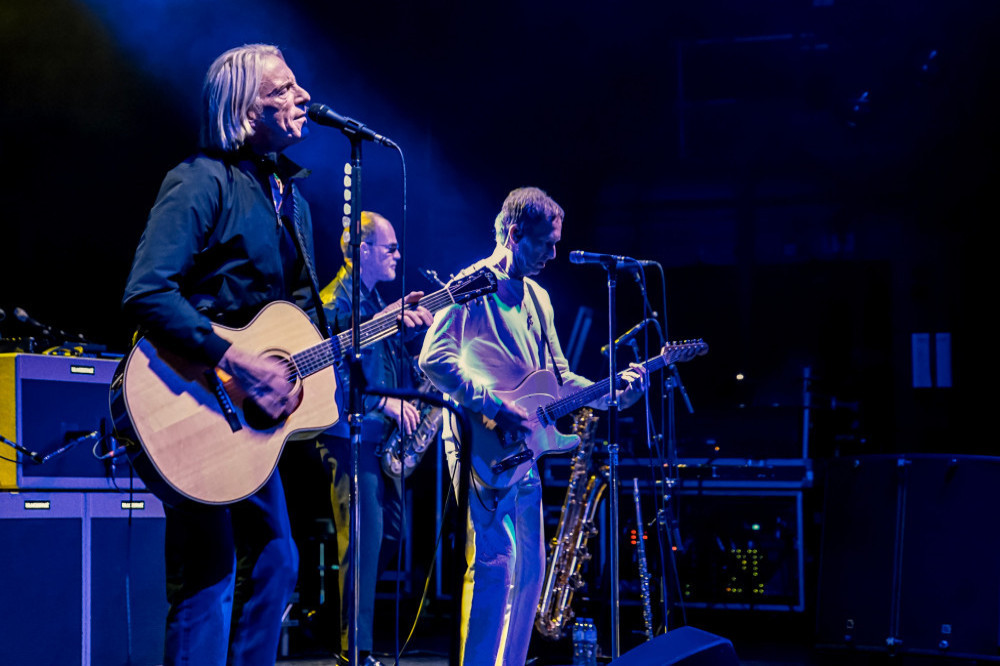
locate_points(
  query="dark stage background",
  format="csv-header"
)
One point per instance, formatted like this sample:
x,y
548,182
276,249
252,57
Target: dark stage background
x,y
815,176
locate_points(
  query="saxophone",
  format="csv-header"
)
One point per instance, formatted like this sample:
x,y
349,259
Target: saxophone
x,y
647,608
568,549
401,454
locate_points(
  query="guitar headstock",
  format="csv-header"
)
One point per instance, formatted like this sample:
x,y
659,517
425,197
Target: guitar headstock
x,y
684,350
474,285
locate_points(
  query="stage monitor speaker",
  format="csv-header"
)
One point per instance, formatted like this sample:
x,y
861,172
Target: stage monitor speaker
x,y
684,646
49,402
84,581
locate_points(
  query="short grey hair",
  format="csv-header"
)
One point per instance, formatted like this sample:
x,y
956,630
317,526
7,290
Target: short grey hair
x,y
525,206
231,91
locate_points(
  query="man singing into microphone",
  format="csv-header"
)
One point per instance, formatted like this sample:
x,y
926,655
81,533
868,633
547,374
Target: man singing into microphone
x,y
488,345
228,234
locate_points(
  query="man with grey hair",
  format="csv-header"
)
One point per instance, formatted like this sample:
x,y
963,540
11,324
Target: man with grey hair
x,y
228,234
471,352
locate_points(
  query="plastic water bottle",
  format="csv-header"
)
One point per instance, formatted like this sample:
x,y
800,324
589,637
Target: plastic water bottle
x,y
584,642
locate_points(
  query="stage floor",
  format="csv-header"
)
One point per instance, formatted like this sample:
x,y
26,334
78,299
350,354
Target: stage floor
x,y
784,640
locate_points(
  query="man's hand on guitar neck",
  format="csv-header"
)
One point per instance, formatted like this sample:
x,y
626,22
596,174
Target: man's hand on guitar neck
x,y
414,316
264,379
637,380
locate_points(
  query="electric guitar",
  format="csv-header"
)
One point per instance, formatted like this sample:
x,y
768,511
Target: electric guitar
x,y
194,434
499,459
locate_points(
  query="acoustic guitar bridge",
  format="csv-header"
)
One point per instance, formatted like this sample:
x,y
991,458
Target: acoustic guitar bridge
x,y
225,404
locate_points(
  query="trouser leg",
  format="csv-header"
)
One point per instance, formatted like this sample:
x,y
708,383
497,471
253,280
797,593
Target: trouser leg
x,y
267,569
200,567
529,569
505,552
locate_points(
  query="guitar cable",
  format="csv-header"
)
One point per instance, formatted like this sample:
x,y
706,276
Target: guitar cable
x,y
668,474
430,566
464,431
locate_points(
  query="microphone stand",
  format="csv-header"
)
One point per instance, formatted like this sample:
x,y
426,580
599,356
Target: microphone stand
x,y
357,379
665,520
610,265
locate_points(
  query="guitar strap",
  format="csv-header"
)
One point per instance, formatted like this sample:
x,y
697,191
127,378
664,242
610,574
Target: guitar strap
x,y
292,211
545,332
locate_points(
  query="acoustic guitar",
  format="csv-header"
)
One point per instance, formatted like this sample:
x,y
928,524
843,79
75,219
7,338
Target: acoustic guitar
x,y
191,431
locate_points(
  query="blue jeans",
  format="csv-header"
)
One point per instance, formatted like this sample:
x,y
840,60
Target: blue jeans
x,y
230,572
381,521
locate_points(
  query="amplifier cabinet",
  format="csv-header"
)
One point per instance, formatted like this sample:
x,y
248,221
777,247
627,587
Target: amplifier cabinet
x,y
909,563
84,579
48,403
742,548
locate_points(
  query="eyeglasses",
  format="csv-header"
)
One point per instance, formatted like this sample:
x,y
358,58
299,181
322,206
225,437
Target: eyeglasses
x,y
389,247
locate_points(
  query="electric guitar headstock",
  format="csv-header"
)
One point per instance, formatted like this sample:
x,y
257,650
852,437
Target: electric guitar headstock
x,y
684,350
476,284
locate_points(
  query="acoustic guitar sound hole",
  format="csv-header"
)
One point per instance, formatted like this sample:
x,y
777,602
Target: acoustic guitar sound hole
x,y
257,418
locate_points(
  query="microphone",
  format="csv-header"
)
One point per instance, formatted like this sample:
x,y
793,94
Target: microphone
x,y
25,318
324,115
36,458
620,261
581,257
628,335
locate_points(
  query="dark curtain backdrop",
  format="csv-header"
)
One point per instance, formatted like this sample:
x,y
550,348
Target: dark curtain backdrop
x,y
816,177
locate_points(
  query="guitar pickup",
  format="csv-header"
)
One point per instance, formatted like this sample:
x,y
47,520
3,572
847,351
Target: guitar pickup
x,y
512,461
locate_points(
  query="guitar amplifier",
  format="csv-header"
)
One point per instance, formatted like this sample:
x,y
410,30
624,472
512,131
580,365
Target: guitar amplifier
x,y
85,579
57,407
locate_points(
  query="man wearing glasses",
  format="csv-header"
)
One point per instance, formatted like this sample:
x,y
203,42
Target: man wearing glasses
x,y
387,364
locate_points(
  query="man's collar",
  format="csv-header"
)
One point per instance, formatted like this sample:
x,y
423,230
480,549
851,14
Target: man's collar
x,y
272,162
346,276
502,259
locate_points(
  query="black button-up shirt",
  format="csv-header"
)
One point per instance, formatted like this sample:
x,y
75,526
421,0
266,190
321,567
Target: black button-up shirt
x,y
214,250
